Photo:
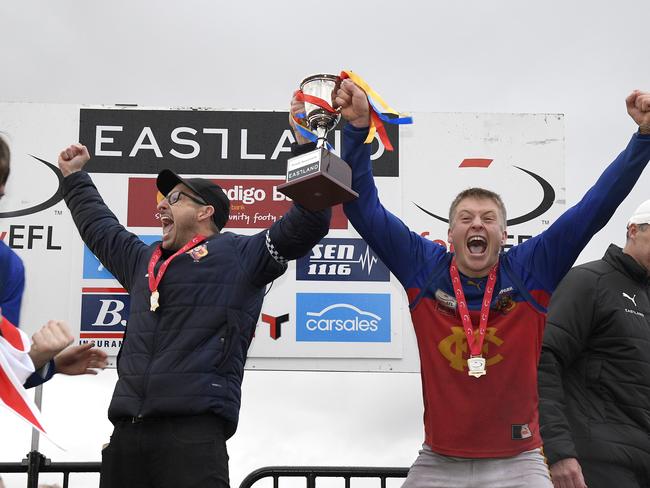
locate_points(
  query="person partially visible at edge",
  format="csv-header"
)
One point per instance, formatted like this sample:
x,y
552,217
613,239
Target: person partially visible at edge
x,y
49,352
594,370
195,298
480,430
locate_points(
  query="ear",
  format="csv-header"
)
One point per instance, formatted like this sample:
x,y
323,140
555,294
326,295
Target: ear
x,y
449,239
205,213
504,237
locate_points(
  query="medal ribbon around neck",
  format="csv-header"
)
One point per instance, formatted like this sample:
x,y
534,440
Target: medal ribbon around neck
x,y
155,279
378,110
475,345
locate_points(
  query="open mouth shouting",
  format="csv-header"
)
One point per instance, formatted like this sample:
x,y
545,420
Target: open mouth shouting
x,y
167,225
477,245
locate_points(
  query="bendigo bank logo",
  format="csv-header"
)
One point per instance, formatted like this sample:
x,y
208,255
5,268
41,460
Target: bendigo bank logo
x,y
254,203
343,317
104,315
547,191
454,348
341,260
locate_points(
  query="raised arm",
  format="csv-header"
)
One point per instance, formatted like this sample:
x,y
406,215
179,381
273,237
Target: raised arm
x,y
400,249
116,248
550,255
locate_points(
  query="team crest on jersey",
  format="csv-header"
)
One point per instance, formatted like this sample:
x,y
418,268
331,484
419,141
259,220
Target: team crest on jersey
x,y
198,252
505,303
445,299
445,303
454,348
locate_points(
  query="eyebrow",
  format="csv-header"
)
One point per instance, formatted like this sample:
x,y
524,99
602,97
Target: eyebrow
x,y
471,212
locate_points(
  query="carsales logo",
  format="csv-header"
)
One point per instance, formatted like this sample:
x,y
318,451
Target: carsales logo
x,y
343,317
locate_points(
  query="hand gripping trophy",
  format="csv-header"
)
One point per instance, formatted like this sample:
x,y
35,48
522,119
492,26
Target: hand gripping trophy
x,y
319,179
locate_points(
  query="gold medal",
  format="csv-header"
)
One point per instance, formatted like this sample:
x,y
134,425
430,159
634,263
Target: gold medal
x,y
154,300
476,365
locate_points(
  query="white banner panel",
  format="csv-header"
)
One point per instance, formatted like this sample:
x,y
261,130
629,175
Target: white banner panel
x,y
338,308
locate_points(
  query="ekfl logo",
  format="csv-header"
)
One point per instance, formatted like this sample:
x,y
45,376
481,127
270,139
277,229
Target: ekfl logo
x,y
343,317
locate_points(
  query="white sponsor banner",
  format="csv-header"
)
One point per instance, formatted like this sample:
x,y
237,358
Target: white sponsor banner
x,y
336,309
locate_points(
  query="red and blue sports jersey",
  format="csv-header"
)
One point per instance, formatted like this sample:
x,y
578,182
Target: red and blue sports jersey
x,y
494,415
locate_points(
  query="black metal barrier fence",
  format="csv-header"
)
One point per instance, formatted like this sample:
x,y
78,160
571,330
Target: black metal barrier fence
x,y
36,463
310,473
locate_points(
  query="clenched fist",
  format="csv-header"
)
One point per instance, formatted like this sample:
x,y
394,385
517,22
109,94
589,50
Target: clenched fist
x,y
353,103
638,106
73,159
50,340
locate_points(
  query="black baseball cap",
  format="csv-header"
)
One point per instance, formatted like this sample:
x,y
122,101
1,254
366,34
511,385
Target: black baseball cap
x,y
209,191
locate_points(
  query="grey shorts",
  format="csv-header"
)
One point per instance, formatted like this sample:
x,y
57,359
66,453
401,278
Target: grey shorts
x,y
431,470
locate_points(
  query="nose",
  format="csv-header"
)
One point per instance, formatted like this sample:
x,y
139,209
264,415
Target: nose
x,y
477,222
163,204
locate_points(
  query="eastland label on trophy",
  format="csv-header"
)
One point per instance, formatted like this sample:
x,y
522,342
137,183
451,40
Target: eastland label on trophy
x,y
303,165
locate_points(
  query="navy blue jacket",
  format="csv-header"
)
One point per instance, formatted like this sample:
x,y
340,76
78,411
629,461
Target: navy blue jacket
x,y
187,358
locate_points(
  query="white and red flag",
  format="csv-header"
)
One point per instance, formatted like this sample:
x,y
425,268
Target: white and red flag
x,y
15,367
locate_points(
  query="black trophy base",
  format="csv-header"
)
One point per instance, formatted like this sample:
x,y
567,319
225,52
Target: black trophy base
x,y
318,179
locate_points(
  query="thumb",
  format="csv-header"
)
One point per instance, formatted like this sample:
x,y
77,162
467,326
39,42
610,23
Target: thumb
x,y
631,99
85,347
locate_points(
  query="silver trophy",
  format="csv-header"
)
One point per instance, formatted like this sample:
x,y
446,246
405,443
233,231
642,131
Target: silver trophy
x,y
319,179
318,119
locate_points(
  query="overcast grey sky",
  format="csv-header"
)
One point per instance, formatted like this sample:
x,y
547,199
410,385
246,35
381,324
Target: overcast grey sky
x,y
579,58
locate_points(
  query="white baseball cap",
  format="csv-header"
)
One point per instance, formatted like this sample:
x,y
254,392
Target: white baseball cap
x,y
641,215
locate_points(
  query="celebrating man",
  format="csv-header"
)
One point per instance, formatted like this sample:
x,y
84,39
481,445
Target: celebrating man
x,y
480,419
195,301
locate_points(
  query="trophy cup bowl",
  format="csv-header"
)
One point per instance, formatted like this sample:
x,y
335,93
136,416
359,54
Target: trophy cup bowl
x,y
319,179
318,119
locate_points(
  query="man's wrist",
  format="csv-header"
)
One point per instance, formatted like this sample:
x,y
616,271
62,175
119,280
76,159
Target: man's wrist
x,y
360,123
67,173
39,359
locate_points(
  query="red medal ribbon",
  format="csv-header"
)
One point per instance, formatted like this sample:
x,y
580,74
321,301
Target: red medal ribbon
x,y
155,279
475,345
